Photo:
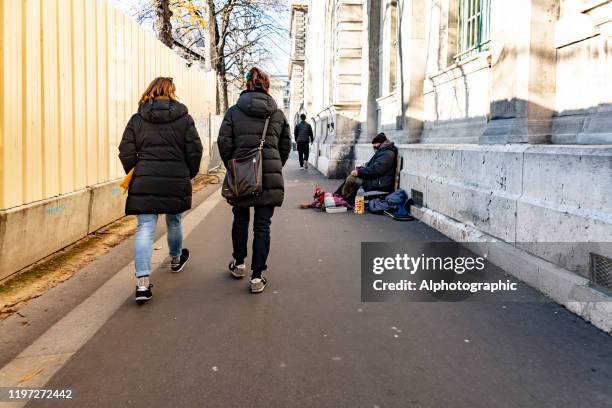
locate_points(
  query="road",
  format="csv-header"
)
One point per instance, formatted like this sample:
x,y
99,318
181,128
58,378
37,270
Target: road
x,y
308,340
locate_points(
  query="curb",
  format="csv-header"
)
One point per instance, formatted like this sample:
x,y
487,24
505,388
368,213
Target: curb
x,y
37,364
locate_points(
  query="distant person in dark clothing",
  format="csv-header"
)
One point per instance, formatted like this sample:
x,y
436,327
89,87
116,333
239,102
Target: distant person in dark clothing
x,y
304,138
377,175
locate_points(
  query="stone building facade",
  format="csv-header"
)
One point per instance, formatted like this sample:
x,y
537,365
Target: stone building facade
x,y
299,11
281,92
502,111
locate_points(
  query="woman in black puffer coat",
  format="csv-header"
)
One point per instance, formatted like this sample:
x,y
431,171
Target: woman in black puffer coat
x,y
162,145
240,132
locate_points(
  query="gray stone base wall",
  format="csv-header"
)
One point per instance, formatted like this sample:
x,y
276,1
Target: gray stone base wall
x,y
527,199
334,160
454,131
335,131
546,208
519,193
31,232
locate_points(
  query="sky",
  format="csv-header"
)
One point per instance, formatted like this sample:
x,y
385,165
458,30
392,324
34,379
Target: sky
x,y
279,64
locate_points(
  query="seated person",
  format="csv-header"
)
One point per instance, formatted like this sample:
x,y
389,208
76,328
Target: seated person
x,y
377,175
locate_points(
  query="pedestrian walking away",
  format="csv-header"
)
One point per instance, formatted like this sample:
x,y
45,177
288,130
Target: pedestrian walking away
x,y
241,132
303,138
161,151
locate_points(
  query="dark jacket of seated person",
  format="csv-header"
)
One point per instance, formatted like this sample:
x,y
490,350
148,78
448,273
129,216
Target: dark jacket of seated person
x,y
379,173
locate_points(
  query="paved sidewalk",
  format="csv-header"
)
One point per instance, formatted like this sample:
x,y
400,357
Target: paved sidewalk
x,y
308,341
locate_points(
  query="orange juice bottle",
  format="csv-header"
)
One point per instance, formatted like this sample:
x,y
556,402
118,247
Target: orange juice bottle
x,y
360,201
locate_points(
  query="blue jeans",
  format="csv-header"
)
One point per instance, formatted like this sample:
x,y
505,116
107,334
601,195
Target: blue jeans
x,y
145,235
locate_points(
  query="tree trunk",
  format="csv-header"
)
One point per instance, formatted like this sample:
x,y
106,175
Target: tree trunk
x,y
162,24
222,102
217,59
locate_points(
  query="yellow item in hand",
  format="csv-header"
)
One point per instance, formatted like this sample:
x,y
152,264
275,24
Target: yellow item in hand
x,y
125,183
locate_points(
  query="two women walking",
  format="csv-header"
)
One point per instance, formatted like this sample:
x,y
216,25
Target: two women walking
x,y
162,146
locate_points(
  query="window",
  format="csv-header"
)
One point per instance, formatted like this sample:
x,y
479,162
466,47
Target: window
x,y
388,49
394,38
474,28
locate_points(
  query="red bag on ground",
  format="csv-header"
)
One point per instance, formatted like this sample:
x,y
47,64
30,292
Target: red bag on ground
x,y
324,200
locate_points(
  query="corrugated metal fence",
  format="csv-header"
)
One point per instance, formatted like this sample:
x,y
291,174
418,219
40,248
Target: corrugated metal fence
x,y
71,73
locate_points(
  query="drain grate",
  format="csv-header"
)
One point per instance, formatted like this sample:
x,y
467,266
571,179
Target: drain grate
x,y
417,197
601,271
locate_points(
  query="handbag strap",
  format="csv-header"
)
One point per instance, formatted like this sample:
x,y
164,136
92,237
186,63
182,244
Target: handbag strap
x,y
263,135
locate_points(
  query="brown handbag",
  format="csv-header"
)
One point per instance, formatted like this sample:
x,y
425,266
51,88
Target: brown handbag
x,y
244,174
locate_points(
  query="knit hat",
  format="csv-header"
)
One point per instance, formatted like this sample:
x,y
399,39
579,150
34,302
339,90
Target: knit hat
x,y
380,138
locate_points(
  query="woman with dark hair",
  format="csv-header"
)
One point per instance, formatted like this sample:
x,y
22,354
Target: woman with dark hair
x,y
162,145
241,132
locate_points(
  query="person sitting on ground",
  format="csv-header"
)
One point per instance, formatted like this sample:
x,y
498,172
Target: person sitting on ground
x,y
303,138
377,175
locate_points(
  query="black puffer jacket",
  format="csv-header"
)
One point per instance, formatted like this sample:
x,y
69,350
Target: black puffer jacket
x,y
379,173
161,140
241,131
303,132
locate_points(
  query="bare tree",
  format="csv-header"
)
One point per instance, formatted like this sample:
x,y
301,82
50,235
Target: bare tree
x,y
179,24
240,34
162,24
217,34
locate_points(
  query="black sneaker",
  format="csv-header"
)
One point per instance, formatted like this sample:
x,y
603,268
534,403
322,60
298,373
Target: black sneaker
x,y
143,293
258,284
178,262
237,271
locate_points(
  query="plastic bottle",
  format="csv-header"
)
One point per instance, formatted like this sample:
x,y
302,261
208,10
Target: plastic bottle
x,y
360,201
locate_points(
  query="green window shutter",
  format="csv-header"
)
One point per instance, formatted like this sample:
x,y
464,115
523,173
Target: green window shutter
x,y
473,28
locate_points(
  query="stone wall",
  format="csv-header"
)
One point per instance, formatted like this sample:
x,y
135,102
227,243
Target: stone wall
x,y
456,103
52,224
583,113
515,193
299,12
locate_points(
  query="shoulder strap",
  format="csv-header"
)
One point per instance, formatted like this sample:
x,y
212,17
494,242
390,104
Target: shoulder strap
x,y
265,131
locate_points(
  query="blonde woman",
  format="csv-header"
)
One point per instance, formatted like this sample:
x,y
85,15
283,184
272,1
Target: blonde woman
x,y
162,144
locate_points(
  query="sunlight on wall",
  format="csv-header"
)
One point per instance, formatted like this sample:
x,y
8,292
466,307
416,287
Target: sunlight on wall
x,y
71,73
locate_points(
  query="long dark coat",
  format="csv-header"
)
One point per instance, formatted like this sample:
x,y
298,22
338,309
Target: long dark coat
x,y
241,131
161,140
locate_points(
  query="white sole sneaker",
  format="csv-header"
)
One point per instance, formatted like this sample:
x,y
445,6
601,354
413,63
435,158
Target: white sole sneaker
x,y
183,259
258,285
237,271
179,269
143,294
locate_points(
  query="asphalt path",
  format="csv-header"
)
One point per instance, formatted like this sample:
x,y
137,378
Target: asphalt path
x,y
309,341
